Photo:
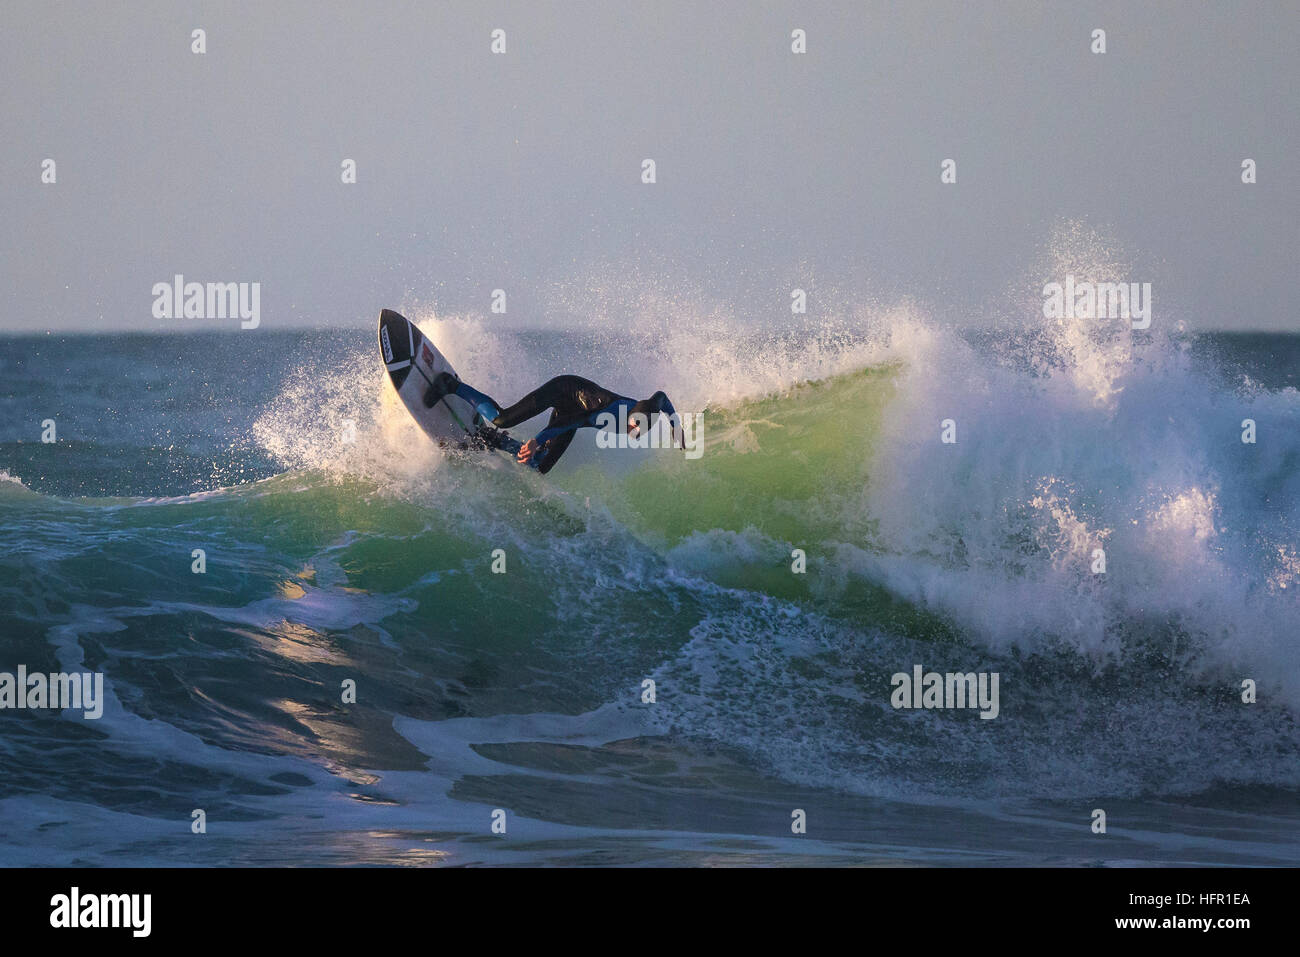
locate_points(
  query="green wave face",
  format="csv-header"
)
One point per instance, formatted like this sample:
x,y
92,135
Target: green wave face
x,y
781,465
779,473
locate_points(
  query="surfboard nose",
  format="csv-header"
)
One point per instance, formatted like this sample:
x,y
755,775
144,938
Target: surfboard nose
x,y
394,336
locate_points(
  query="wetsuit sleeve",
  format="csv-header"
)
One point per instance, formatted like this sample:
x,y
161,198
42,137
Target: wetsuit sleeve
x,y
552,452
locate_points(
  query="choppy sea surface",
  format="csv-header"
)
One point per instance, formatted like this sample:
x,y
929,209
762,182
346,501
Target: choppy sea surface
x,y
341,545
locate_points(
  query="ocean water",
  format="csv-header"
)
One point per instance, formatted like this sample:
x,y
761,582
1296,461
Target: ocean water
x,y
342,545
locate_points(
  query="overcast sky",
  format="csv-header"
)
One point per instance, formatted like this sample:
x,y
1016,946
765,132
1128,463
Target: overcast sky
x,y
522,171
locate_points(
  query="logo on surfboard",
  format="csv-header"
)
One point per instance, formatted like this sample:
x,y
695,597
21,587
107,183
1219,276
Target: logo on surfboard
x,y
388,346
426,354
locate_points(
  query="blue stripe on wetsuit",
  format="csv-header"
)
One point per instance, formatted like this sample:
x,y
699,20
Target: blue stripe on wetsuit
x,y
482,404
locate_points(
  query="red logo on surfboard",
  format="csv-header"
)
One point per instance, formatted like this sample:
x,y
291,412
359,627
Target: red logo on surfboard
x,y
426,354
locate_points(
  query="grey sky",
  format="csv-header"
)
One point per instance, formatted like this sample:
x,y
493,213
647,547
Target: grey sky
x,y
522,171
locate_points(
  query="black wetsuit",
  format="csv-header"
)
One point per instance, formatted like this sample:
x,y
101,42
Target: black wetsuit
x,y
571,398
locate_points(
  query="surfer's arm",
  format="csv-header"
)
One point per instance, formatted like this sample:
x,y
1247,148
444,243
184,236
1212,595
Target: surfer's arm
x,y
555,431
546,456
549,444
546,447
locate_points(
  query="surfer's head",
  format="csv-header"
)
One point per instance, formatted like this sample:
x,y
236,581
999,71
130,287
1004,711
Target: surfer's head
x,y
657,404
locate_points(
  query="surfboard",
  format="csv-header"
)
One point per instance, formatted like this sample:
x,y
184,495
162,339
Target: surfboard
x,y
414,363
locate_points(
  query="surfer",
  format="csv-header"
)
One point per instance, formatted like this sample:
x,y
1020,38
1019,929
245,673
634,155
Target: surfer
x,y
574,402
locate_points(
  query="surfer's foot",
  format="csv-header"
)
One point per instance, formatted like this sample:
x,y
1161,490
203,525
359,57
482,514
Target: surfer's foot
x,y
444,383
493,438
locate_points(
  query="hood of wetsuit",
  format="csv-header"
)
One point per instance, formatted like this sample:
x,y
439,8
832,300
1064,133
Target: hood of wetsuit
x,y
656,403
648,407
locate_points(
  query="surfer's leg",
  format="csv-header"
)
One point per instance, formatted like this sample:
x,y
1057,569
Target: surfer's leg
x,y
497,438
544,397
486,405
445,383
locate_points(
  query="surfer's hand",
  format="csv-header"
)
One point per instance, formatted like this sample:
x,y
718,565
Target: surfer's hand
x,y
527,451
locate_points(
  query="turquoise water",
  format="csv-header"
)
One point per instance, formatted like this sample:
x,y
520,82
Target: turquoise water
x,y
342,546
